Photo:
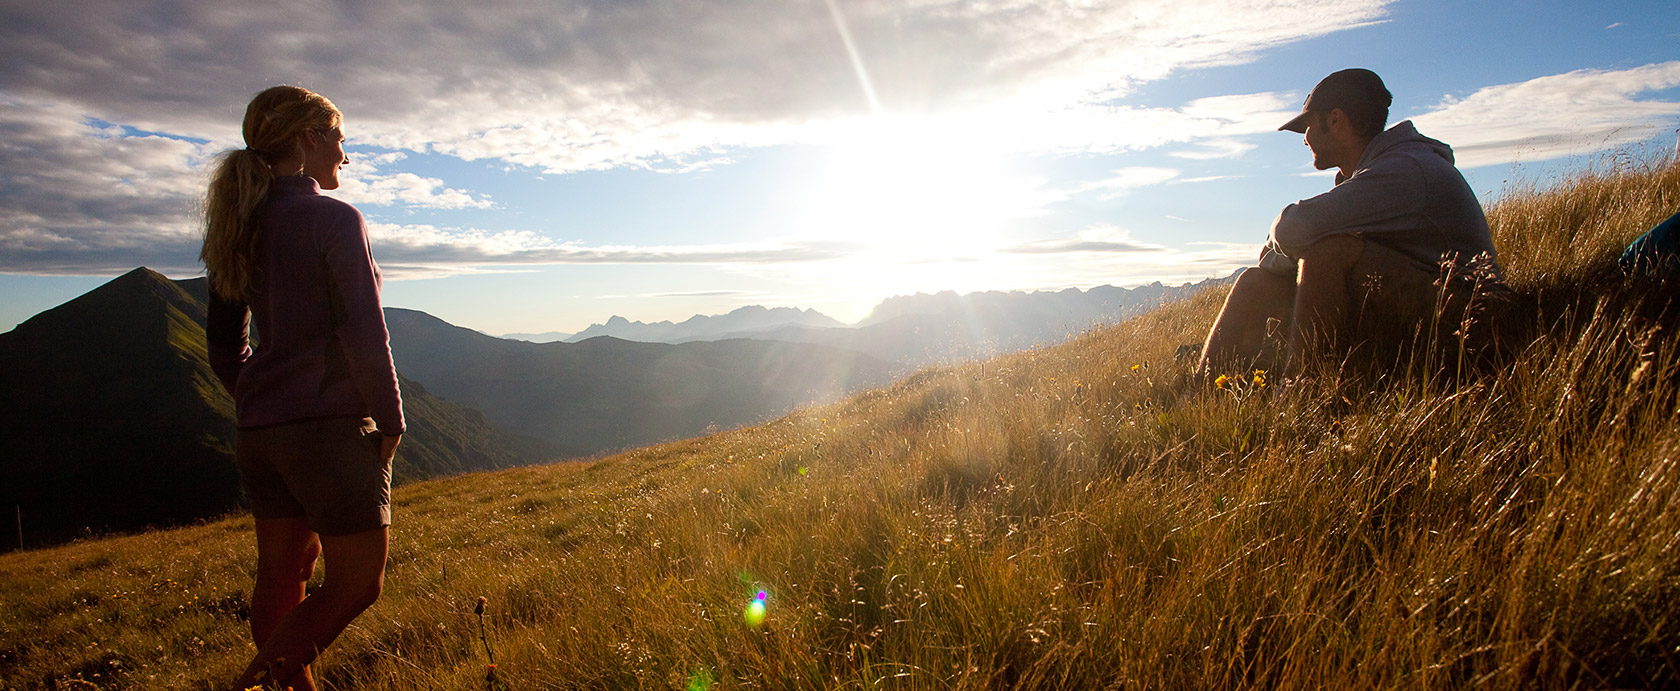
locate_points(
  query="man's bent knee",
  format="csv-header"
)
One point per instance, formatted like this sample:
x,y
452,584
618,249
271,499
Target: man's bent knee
x,y
1255,276
1256,285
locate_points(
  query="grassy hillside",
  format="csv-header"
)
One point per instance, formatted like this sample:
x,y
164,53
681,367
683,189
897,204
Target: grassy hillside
x,y
1072,517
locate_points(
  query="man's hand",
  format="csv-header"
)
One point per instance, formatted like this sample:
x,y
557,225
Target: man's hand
x,y
388,446
1276,262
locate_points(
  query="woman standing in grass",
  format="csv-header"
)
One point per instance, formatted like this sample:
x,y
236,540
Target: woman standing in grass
x,y
316,399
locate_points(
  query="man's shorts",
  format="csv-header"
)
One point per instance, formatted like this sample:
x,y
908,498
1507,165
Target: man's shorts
x,y
1397,300
328,471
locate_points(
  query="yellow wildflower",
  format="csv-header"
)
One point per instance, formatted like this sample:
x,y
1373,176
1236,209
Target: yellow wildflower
x,y
1222,382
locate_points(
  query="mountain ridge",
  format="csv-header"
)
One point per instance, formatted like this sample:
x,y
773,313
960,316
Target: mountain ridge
x,y
641,392
922,328
734,324
112,419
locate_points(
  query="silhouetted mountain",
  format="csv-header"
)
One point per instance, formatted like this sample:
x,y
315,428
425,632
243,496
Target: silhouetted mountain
x,y
111,418
745,322
607,393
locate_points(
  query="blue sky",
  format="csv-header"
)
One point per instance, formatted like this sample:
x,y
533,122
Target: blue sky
x,y
531,167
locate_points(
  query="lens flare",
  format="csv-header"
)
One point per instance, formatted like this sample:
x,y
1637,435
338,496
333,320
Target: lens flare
x,y
755,609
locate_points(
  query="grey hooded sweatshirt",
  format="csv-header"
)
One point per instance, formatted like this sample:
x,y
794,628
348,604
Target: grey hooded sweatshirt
x,y
1404,194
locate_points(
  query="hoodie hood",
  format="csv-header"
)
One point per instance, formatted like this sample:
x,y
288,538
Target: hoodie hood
x,y
1400,135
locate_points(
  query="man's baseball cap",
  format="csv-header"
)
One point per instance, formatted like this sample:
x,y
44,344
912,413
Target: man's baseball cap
x,y
1350,89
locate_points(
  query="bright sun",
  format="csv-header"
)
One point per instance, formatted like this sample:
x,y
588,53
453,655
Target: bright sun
x,y
913,184
919,205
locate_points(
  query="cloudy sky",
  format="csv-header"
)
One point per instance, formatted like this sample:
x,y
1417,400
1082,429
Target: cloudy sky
x,y
539,166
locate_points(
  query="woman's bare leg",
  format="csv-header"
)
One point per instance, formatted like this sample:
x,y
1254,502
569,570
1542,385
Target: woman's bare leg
x,y
286,553
354,577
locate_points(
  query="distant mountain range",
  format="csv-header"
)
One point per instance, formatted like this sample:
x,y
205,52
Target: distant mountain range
x,y
608,393
111,418
915,330
751,321
1045,311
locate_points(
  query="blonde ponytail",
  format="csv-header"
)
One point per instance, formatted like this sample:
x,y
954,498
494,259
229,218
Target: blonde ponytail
x,y
242,178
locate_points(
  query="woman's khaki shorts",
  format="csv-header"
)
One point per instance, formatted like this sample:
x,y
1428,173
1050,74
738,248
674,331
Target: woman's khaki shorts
x,y
328,471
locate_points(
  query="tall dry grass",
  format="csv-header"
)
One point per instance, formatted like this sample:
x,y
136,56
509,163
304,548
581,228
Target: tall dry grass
x,y
1080,516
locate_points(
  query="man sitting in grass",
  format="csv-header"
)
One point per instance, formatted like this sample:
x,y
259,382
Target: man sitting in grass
x,y
1400,242
1656,254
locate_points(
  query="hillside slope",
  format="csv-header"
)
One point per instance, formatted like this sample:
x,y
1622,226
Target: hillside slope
x,y
606,393
110,415
1082,516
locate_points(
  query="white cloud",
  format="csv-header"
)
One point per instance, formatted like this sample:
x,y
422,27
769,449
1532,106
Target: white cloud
x,y
1211,124
574,86
77,197
411,251
364,182
672,86
1213,149
1096,240
707,294
1245,113
1574,113
1127,179
80,197
676,85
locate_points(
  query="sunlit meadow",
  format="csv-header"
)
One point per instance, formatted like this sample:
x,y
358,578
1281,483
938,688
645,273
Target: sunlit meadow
x,y
1077,516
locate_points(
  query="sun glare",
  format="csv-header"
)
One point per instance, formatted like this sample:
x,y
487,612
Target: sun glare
x,y
917,185
922,204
